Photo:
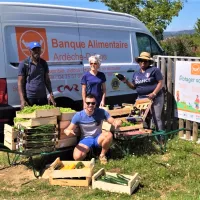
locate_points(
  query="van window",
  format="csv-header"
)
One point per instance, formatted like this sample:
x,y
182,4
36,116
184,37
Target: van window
x,y
147,43
114,46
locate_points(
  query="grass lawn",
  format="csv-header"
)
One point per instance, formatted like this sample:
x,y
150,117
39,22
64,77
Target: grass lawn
x,y
173,175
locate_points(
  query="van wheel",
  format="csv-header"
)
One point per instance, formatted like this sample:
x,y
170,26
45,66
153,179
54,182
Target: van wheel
x,y
68,103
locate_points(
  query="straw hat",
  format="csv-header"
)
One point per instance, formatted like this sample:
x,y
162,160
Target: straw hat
x,y
144,56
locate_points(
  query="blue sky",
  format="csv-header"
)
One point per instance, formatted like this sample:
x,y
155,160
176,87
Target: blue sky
x,y
185,21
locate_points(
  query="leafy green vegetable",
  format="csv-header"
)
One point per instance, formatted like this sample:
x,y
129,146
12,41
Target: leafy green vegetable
x,y
66,110
20,120
31,109
127,124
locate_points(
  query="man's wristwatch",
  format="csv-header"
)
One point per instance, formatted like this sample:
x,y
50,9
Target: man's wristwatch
x,y
154,93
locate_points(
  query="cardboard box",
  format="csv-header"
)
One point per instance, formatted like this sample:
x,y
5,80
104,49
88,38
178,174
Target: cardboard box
x,y
68,142
128,189
62,125
66,116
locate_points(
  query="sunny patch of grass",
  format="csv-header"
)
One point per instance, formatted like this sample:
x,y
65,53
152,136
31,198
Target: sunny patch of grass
x,y
170,176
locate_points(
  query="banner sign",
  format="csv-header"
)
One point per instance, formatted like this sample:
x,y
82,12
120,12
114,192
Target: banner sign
x,y
187,90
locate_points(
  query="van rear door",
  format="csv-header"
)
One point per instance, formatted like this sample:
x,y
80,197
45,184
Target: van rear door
x,y
57,31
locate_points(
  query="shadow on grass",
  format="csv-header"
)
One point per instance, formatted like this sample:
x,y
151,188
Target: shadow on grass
x,y
138,147
118,150
122,148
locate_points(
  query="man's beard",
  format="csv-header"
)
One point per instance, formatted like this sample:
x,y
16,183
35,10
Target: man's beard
x,y
36,56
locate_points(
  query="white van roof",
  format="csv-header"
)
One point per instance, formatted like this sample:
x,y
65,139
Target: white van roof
x,y
114,16
64,7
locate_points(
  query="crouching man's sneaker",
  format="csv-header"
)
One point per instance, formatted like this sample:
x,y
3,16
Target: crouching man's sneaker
x,y
103,159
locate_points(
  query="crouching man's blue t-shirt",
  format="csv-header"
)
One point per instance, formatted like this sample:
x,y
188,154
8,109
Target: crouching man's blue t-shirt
x,y
90,126
146,82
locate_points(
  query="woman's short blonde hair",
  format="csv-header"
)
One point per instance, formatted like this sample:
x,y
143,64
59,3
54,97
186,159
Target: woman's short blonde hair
x,y
95,58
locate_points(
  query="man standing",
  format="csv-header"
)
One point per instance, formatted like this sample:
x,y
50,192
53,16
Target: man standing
x,y
33,79
90,122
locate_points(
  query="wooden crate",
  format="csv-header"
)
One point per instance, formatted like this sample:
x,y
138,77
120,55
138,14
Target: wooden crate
x,y
38,121
128,105
132,184
143,104
129,128
68,142
120,111
65,177
107,126
39,113
10,137
66,116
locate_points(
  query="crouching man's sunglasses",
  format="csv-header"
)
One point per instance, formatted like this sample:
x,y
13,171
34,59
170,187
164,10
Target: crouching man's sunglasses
x,y
92,103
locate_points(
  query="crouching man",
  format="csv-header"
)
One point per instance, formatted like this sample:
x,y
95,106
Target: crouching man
x,y
90,122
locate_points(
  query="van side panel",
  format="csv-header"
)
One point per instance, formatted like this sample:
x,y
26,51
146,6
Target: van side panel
x,y
68,35
109,36
57,31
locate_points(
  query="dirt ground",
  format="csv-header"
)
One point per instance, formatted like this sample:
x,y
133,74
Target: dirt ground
x,y
16,175
19,175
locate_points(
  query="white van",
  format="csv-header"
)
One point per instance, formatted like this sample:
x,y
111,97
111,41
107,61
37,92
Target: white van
x,y
68,37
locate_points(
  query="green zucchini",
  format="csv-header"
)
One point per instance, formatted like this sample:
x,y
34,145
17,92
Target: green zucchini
x,y
123,177
104,180
122,181
111,179
114,181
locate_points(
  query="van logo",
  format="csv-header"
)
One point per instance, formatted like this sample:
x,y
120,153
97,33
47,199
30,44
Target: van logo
x,y
115,84
62,88
195,68
25,35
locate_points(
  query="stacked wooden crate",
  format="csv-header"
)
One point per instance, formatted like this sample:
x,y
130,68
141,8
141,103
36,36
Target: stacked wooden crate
x,y
72,176
10,136
127,111
132,183
64,121
32,137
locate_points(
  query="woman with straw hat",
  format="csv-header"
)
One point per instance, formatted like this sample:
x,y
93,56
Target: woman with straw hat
x,y
148,82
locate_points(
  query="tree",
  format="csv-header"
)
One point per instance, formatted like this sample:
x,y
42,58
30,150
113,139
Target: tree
x,y
197,27
182,45
155,14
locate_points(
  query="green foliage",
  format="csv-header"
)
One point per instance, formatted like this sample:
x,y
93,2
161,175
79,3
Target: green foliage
x,y
183,45
197,27
155,14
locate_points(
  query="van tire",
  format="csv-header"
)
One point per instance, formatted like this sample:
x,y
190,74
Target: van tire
x,y
68,103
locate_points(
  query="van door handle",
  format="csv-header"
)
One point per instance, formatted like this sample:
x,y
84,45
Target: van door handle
x,y
130,70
